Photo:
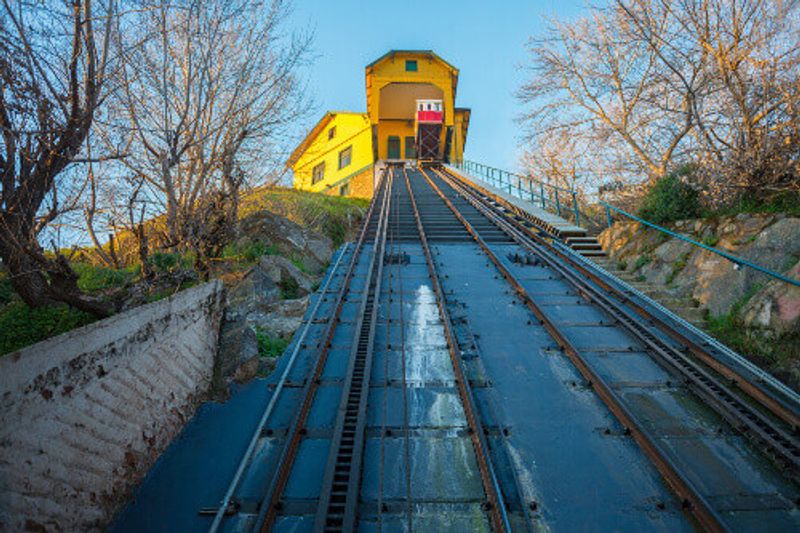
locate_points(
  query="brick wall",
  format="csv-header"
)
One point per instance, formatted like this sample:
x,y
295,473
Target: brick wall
x,y
84,415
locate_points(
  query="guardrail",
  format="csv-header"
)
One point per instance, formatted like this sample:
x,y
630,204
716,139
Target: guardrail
x,y
559,200
740,261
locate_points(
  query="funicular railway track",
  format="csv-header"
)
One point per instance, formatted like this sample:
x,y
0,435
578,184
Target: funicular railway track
x,y
435,412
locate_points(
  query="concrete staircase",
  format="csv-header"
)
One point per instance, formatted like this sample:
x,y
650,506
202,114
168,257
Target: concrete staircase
x,y
586,245
684,307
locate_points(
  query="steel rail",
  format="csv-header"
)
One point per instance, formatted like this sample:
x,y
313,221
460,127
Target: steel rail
x,y
684,488
495,505
337,507
234,484
742,416
760,395
385,399
270,505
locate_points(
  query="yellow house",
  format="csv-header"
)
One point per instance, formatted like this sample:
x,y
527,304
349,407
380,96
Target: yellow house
x,y
338,155
394,82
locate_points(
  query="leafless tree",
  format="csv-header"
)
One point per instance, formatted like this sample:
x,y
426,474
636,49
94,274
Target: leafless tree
x,y
206,88
656,83
53,64
743,58
598,80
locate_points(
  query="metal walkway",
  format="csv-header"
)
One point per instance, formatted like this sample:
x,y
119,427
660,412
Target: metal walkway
x,y
461,371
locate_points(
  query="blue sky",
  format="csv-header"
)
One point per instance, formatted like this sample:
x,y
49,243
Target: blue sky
x,y
485,40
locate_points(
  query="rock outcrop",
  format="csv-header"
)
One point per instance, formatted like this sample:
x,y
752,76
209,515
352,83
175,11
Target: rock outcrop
x,y
772,241
271,297
756,313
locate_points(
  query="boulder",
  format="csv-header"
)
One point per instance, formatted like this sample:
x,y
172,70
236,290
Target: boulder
x,y
281,319
776,307
256,290
313,249
238,349
285,274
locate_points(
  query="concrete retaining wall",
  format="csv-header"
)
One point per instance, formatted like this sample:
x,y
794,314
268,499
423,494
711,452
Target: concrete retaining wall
x,y
85,414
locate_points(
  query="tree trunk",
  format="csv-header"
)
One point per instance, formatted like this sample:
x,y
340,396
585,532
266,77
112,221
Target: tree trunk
x,y
37,280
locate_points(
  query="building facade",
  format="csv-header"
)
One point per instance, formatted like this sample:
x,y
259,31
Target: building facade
x,y
339,155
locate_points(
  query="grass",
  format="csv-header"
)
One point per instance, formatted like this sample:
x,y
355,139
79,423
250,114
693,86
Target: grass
x,y
711,240
269,346
93,278
333,216
249,253
290,289
787,203
21,325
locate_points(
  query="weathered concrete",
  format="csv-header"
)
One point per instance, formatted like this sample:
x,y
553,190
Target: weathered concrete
x,y
84,415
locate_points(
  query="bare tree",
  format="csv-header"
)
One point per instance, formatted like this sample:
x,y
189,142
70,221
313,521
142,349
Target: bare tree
x,y
750,107
598,80
53,64
205,87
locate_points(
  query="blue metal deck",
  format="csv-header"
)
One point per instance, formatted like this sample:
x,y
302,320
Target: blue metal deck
x,y
562,459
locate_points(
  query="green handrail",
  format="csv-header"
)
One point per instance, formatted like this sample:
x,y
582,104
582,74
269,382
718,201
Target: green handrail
x,y
502,179
549,195
730,257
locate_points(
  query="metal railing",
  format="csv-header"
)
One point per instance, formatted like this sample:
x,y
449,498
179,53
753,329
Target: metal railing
x,y
565,201
559,200
739,261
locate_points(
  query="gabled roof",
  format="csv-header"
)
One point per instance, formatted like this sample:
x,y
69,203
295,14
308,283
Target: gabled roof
x,y
315,131
429,53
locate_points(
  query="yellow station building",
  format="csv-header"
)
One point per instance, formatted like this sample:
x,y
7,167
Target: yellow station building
x,y
344,151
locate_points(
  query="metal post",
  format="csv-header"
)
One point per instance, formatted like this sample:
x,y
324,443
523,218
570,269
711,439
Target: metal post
x,y
608,216
530,190
575,207
519,186
558,204
541,191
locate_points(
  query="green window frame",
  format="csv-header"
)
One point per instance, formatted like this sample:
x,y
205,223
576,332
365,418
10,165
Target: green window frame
x,y
393,147
410,149
345,157
411,65
318,173
344,190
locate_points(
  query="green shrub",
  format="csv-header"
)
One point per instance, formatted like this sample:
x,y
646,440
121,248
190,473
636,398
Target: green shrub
x,y
670,199
93,278
21,325
249,252
164,262
269,346
785,202
641,261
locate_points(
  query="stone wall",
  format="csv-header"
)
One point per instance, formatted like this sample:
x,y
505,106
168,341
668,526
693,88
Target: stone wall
x,y
716,284
84,415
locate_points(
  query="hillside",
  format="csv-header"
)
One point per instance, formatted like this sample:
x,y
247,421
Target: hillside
x,y
300,226
752,313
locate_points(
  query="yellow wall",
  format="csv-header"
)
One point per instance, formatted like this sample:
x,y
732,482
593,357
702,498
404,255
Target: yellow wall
x,y
459,135
391,128
352,129
368,133
391,88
